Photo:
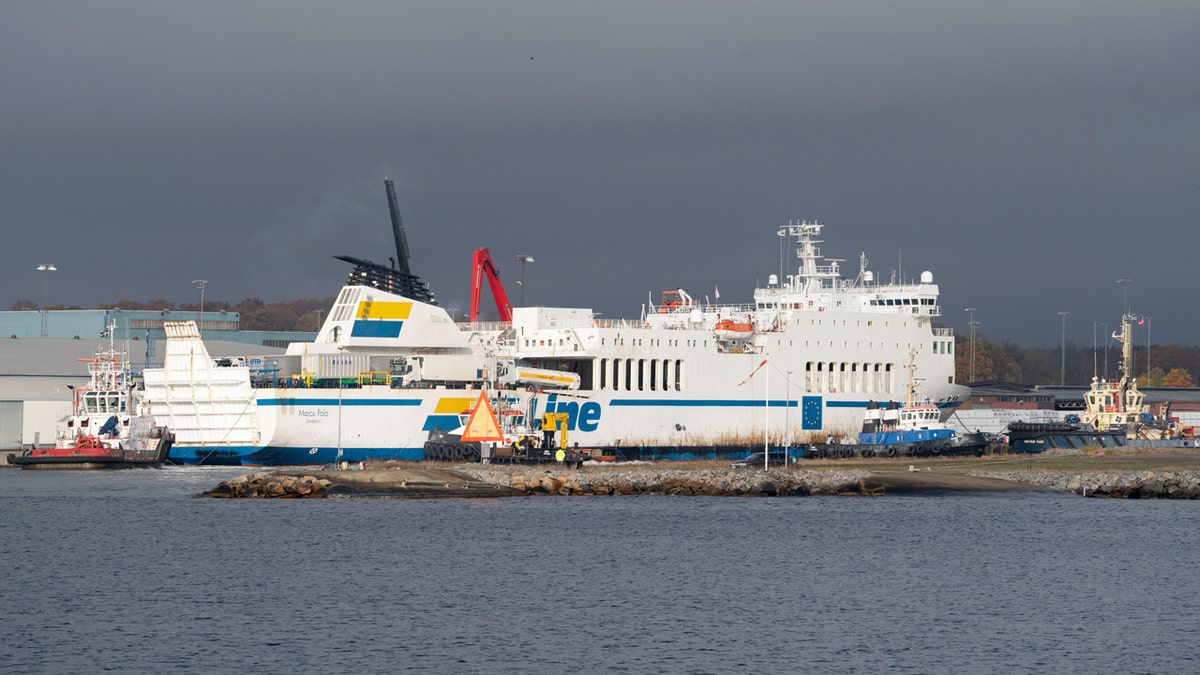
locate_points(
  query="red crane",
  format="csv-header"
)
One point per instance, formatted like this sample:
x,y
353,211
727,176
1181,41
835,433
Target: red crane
x,y
481,264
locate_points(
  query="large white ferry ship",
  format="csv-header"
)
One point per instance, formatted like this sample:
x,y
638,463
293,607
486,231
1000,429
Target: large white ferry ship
x,y
684,379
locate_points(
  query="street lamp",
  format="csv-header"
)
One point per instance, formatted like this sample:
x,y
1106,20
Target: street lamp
x,y
523,259
1095,354
47,268
1062,375
1147,351
971,323
1107,339
201,283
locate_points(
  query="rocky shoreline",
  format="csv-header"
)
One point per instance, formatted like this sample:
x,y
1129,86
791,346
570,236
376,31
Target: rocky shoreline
x,y
1126,485
657,480
490,481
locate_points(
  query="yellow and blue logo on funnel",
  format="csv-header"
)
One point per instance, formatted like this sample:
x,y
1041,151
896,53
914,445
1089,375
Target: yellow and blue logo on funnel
x,y
380,319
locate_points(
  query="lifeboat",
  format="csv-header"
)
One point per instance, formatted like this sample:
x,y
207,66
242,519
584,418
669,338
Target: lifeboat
x,y
728,329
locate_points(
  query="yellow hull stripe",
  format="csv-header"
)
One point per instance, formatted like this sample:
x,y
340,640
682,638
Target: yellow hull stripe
x,y
452,406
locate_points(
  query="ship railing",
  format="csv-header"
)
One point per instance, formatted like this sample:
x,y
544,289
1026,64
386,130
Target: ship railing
x,y
897,289
615,323
943,332
483,326
705,307
308,381
727,310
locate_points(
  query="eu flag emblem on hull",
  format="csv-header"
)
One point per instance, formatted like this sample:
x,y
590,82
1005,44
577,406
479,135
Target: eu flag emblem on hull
x,y
810,412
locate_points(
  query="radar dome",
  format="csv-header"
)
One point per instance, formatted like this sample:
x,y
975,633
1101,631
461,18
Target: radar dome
x,y
869,276
773,280
927,277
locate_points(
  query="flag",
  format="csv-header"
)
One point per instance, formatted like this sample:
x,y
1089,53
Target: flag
x,y
1141,320
717,292
764,362
104,334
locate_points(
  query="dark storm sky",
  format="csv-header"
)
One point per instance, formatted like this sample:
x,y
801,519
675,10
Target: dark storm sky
x,y
1028,153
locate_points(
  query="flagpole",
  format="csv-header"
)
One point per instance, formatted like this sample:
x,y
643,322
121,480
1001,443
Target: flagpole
x,y
766,407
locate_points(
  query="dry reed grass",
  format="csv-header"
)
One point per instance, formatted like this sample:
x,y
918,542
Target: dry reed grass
x,y
1123,460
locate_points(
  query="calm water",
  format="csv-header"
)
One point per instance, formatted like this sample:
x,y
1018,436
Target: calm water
x,y
125,571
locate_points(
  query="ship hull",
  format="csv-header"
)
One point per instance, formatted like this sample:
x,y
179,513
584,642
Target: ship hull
x,y
309,427
82,462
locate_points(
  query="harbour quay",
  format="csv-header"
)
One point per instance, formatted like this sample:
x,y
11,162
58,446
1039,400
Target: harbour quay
x,y
1129,476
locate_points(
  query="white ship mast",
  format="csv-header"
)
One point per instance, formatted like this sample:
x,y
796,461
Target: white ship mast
x,y
812,277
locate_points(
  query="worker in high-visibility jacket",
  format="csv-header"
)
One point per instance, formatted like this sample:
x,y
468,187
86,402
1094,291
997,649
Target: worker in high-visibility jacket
x,y
559,456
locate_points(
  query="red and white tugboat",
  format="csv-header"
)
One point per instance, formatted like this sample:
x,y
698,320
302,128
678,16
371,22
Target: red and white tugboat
x,y
109,427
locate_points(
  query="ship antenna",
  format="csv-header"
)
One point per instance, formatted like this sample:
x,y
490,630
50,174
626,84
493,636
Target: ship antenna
x,y
912,386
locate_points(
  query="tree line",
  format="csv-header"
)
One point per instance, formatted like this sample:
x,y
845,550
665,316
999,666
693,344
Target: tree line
x,y
1169,365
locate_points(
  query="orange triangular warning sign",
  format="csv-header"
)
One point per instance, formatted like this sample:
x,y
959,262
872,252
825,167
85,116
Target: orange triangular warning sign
x,y
482,426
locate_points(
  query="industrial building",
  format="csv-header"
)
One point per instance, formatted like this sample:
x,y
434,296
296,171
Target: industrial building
x,y
40,356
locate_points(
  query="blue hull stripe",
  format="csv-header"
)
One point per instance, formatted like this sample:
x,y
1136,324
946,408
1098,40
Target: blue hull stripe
x,y
344,402
616,402
217,454
696,403
443,422
727,403
277,456
270,456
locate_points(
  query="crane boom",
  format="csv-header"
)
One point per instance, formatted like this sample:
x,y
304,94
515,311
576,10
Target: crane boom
x,y
481,264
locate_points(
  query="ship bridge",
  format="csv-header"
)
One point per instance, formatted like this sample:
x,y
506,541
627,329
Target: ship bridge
x,y
820,285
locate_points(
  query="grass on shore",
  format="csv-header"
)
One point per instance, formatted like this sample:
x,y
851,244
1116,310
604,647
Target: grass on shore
x,y
1122,461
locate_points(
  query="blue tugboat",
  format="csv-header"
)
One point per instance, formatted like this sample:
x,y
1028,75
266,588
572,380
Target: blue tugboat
x,y
911,430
